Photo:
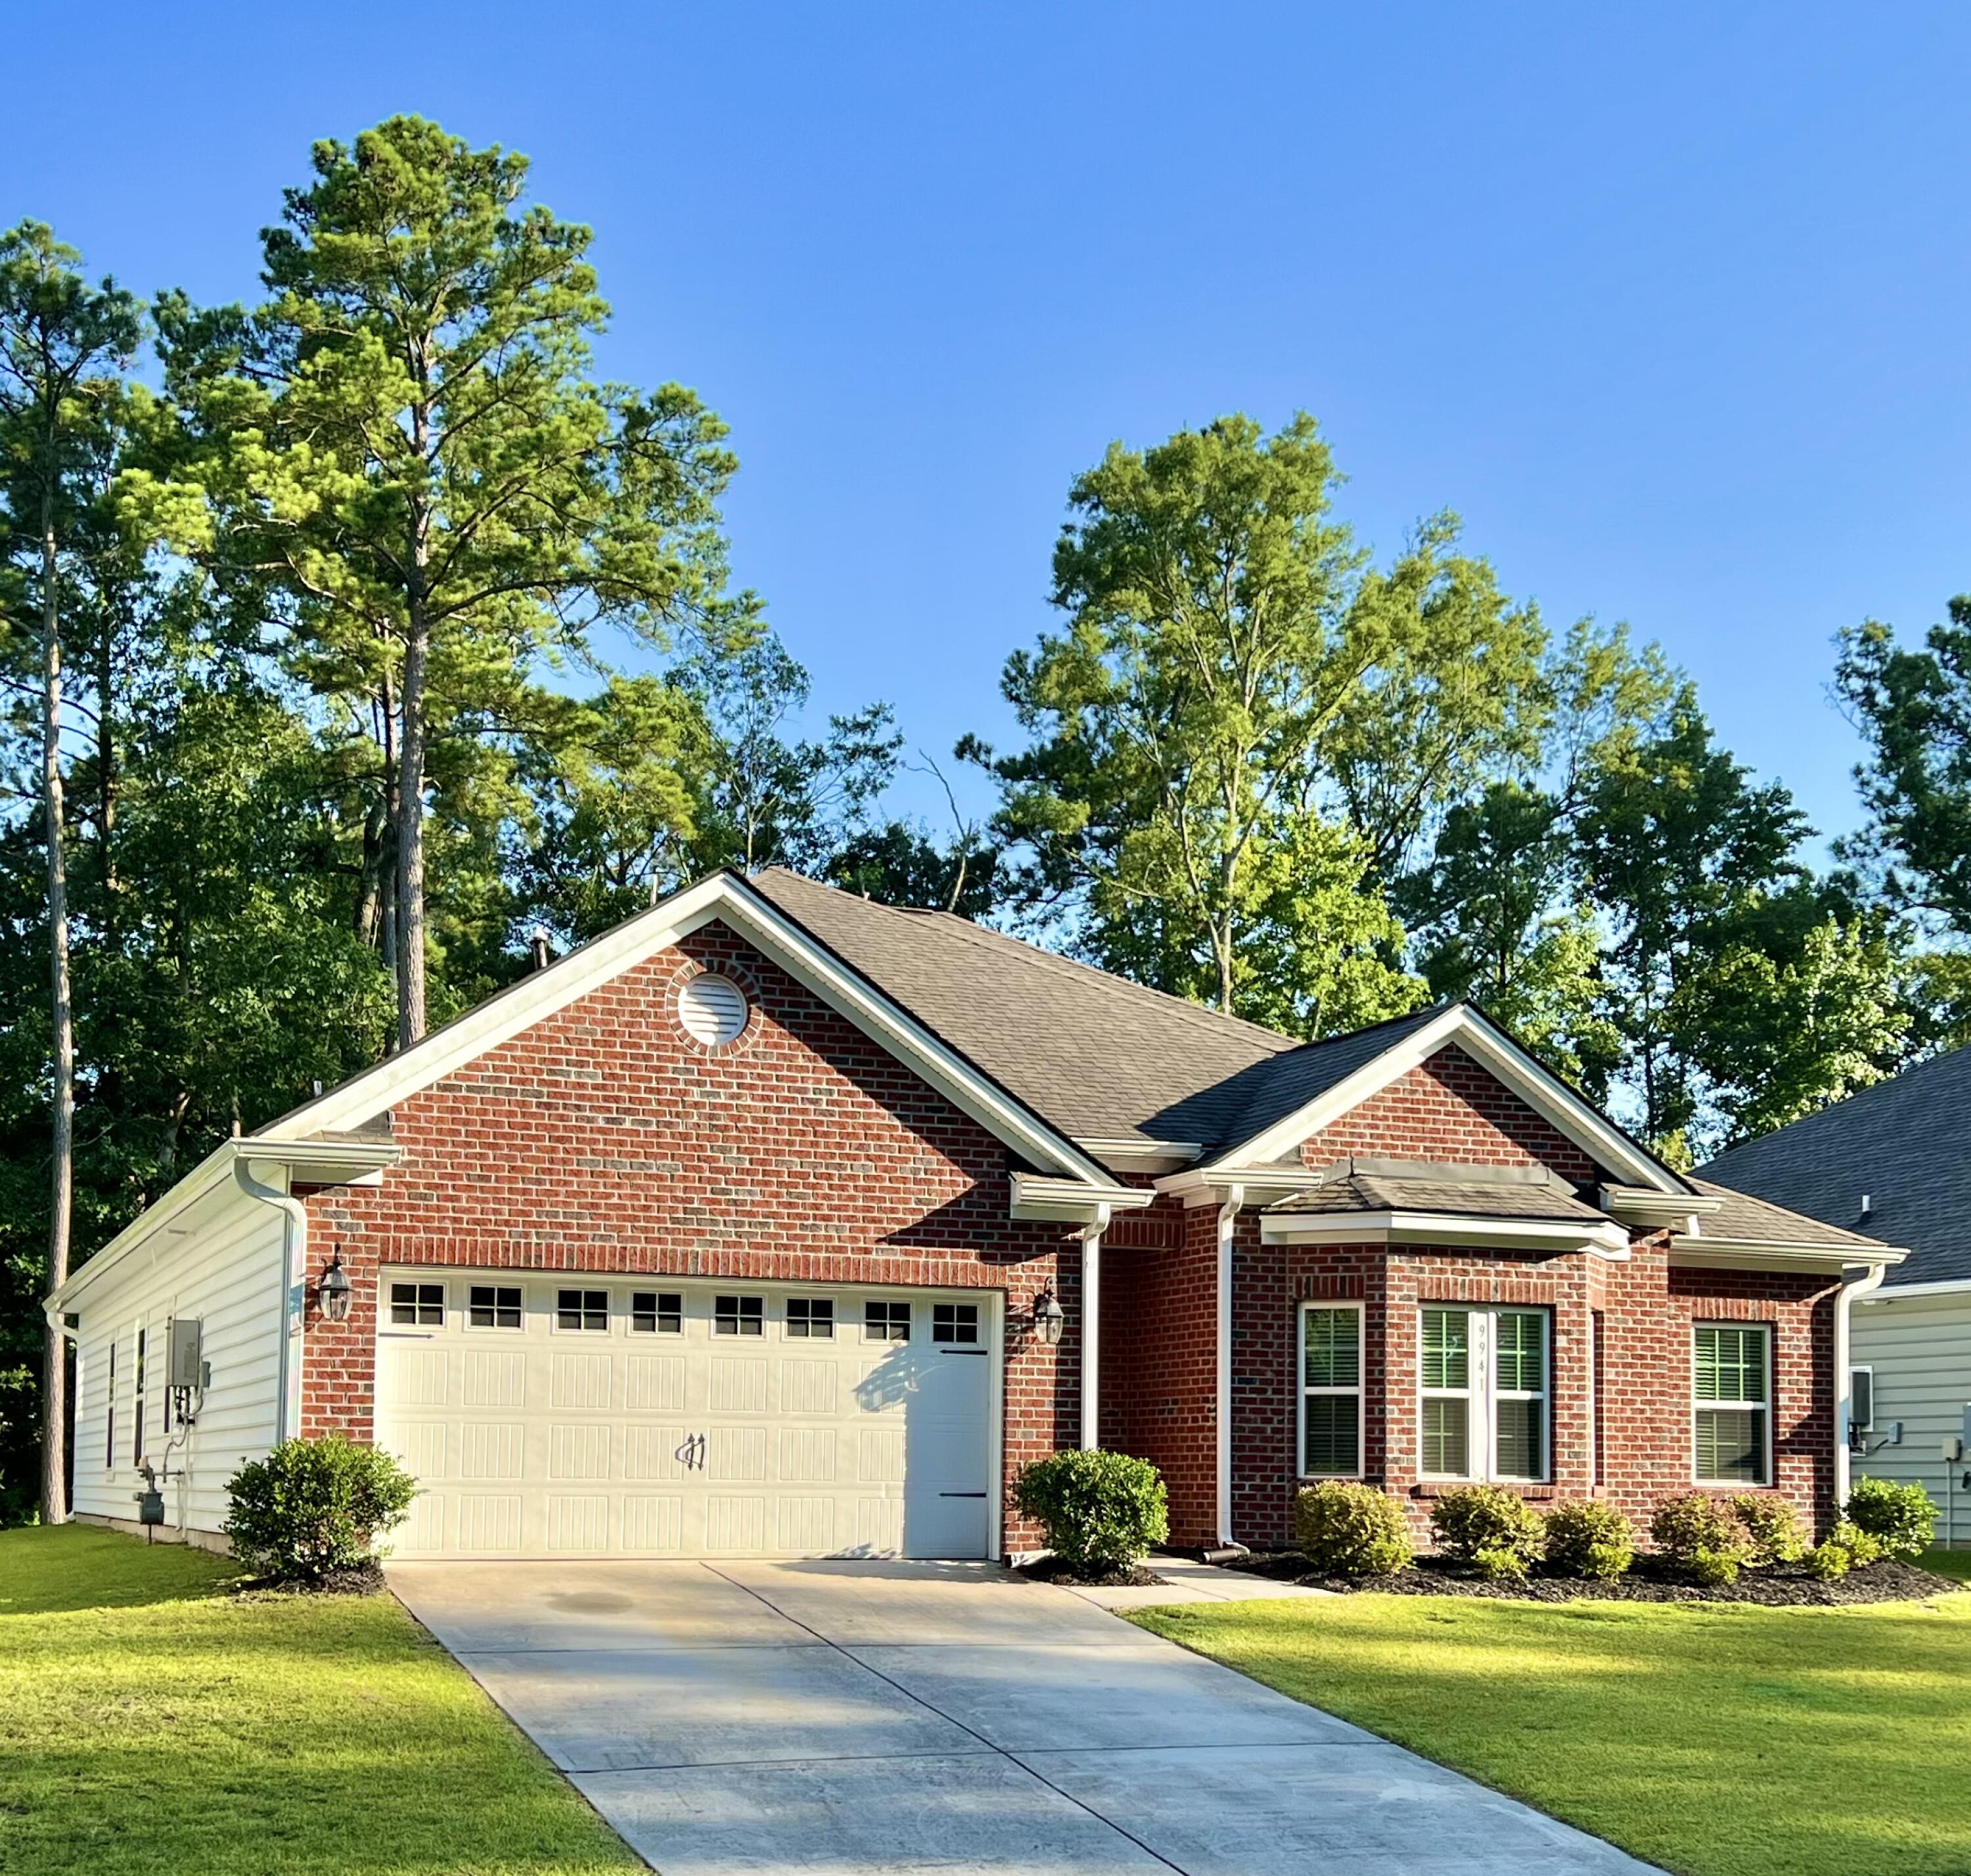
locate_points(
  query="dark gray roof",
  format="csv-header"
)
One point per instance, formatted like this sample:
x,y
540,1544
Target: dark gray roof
x,y
1904,1143
1760,1221
1097,1056
1370,1192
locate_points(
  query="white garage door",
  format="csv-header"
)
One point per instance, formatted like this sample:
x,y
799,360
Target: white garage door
x,y
654,1416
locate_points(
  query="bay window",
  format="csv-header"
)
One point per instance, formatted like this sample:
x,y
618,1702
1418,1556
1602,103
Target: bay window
x,y
1330,1390
1483,1410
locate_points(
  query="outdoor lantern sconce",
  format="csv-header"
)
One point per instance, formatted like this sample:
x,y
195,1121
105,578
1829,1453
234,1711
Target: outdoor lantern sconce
x,y
333,1291
1049,1318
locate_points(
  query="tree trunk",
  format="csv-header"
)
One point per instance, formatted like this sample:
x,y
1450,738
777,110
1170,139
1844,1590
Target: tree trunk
x,y
54,1384
410,908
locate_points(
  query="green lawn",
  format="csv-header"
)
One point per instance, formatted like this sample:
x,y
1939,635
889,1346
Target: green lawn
x,y
1716,1739
150,1721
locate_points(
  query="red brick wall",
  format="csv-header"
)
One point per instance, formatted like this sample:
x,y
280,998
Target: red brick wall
x,y
1451,1110
604,1139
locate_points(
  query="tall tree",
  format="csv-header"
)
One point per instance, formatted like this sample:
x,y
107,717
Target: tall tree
x,y
64,347
407,439
1243,728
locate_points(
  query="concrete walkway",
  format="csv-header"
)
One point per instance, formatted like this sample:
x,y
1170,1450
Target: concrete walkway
x,y
886,1719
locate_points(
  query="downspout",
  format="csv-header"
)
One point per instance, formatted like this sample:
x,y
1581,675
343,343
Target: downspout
x,y
294,1262
1844,1380
1091,1329
1228,1213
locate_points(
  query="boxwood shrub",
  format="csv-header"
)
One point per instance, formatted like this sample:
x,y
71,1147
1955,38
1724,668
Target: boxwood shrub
x,y
1701,1537
1772,1529
1587,1539
1348,1529
1101,1511
1492,1532
1900,1518
312,1508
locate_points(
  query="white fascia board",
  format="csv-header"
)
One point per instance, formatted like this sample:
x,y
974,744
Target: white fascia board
x,y
310,1162
1440,1229
1141,1155
1552,1099
1895,1292
1644,1205
1038,1199
535,997
1694,1253
1261,1185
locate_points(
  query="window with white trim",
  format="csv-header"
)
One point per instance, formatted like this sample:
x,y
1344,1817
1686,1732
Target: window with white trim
x,y
587,1310
1331,1390
657,1312
1732,1386
418,1305
738,1315
1484,1393
493,1306
812,1316
886,1322
954,1322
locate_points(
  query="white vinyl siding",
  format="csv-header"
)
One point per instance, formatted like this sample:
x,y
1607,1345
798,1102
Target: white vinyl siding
x,y
1484,1392
1733,1403
1331,1390
1919,1349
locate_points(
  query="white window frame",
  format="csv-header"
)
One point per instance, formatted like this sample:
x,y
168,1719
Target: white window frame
x,y
1769,1407
557,1326
1482,1395
495,1327
1301,1390
419,1305
657,1314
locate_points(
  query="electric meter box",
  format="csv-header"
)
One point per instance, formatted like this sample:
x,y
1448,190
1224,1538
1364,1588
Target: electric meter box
x,y
187,1351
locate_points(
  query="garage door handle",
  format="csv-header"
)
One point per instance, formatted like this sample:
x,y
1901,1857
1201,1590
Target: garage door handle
x,y
691,1454
961,1494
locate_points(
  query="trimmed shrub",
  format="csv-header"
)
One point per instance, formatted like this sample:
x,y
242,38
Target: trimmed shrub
x,y
1900,1517
1492,1532
1101,1511
1345,1529
1847,1547
1587,1538
1772,1529
313,1507
1702,1538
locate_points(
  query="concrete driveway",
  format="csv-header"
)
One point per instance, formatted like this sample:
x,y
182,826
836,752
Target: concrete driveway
x,y
854,1718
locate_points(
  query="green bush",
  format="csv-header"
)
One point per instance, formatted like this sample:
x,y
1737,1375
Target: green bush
x,y
1589,1539
1772,1529
1702,1538
1345,1529
1494,1532
1101,1511
312,1507
1901,1517
1829,1560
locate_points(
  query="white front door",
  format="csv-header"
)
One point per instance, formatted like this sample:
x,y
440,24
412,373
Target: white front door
x,y
655,1416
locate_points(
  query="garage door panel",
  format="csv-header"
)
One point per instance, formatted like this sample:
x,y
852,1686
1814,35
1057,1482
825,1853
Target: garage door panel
x,y
553,1439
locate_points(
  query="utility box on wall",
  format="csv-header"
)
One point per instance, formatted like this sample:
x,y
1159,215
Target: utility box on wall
x,y
184,1366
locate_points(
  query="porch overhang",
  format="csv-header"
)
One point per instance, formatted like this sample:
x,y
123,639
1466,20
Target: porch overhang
x,y
1038,1198
1445,1231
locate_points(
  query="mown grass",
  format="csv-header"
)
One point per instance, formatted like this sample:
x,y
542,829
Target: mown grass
x,y
151,1720
1719,1740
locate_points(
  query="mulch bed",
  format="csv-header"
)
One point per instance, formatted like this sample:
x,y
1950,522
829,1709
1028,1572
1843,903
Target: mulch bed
x,y
1052,1570
366,1579
1784,1586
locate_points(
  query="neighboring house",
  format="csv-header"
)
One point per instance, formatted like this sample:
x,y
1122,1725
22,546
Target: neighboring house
x,y
777,1221
1895,1159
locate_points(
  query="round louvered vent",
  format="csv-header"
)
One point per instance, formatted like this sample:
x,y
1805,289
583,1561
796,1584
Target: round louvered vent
x,y
713,1010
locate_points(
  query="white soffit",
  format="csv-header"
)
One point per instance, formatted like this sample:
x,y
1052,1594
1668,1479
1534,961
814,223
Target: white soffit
x,y
1551,1099
1444,1230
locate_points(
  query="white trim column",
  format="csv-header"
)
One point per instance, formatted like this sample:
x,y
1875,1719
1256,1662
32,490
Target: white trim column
x,y
1091,1330
1228,1216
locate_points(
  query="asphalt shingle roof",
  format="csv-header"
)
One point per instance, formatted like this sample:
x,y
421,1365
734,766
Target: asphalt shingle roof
x,y
1368,1192
1904,1143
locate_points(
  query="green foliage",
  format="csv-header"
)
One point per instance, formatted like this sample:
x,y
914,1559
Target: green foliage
x,y
1900,1518
1772,1529
1347,1529
1847,1547
1586,1538
1699,1535
1492,1532
312,1507
1100,1510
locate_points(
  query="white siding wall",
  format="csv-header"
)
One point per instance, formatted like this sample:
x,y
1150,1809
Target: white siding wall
x,y
1919,1347
225,1270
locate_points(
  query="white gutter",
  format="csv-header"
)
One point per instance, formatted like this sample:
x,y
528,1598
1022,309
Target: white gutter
x,y
1228,1215
1950,1286
1448,1229
294,1266
1091,1331
1870,1279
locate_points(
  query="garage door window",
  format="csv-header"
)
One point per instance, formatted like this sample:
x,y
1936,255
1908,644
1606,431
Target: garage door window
x,y
811,1316
739,1315
494,1306
418,1305
954,1322
657,1312
887,1322
582,1309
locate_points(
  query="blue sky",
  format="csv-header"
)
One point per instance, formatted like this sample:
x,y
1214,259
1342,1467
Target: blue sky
x,y
1670,303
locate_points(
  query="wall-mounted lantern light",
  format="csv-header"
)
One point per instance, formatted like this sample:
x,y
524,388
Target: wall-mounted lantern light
x,y
333,1291
1049,1318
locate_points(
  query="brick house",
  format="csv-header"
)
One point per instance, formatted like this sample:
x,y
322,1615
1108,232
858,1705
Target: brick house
x,y
777,1221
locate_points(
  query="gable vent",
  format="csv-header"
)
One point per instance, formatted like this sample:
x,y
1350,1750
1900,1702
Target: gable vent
x,y
713,1010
